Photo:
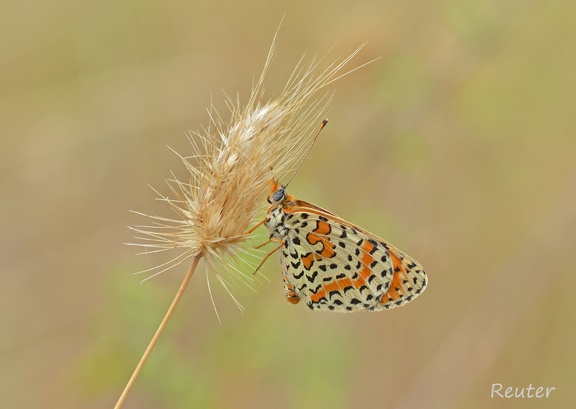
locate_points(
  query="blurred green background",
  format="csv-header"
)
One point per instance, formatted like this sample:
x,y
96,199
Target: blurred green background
x,y
457,146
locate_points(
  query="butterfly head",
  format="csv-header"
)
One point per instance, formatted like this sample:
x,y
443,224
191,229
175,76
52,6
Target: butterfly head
x,y
277,193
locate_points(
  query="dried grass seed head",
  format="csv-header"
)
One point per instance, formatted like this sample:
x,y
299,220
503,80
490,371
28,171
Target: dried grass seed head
x,y
232,163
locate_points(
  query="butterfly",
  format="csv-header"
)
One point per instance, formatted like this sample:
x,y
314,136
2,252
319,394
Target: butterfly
x,y
333,265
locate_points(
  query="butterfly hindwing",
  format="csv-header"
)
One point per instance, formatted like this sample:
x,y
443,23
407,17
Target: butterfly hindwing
x,y
334,265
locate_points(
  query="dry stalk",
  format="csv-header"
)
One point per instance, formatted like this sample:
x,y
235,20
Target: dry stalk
x,y
230,168
154,339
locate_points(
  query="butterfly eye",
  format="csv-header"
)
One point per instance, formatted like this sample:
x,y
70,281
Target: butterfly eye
x,y
278,195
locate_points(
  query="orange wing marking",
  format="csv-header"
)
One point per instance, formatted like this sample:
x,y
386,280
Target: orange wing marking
x,y
367,260
313,238
333,286
395,292
308,260
338,285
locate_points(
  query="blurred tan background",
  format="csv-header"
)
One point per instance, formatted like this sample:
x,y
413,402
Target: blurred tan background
x,y
457,146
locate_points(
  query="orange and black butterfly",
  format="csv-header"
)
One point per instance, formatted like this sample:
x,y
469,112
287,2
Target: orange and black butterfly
x,y
334,265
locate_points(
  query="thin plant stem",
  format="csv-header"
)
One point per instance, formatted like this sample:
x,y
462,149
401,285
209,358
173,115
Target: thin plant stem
x,y
158,332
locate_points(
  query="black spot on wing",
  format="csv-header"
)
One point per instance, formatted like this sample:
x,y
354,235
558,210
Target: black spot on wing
x,y
375,244
312,278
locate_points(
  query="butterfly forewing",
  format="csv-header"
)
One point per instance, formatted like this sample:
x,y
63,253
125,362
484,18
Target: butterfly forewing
x,y
334,265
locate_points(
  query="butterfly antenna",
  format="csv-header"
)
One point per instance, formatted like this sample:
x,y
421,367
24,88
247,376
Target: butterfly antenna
x,y
322,125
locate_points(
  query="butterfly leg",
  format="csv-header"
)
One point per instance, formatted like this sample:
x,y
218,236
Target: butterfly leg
x,y
255,227
263,244
269,254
